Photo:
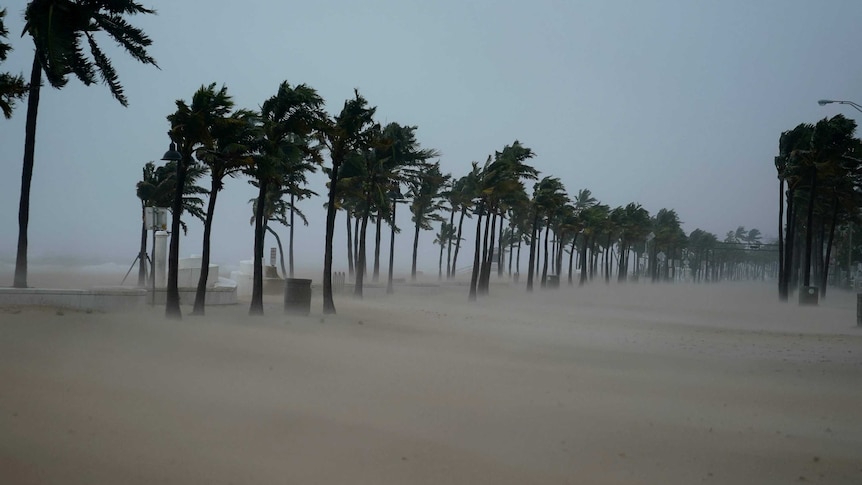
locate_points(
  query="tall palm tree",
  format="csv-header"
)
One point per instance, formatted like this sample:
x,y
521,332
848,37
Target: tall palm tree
x,y
790,145
233,138
191,132
289,119
501,184
12,87
346,133
426,205
59,29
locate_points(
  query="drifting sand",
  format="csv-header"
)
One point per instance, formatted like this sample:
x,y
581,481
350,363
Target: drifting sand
x,y
649,384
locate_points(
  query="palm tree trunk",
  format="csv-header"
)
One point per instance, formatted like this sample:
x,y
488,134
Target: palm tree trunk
x,y
356,222
458,242
583,276
256,306
142,254
20,279
376,274
500,249
487,253
518,258
809,229
782,289
571,260
440,261
544,280
172,295
485,280
290,242
328,303
360,256
511,255
533,245
449,269
829,247
474,278
201,293
349,245
415,251
789,230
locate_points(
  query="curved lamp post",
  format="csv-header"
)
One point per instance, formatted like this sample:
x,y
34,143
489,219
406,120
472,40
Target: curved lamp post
x,y
394,195
824,102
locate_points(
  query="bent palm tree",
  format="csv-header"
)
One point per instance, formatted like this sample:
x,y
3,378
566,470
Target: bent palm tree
x,y
290,118
345,134
60,29
229,153
191,131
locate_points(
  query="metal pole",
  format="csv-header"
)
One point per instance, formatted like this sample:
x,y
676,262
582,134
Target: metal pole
x,y
389,288
153,267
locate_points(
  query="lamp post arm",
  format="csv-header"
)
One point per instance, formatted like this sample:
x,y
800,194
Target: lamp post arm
x,y
851,103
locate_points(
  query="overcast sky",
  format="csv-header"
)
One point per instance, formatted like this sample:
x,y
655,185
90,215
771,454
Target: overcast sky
x,y
674,104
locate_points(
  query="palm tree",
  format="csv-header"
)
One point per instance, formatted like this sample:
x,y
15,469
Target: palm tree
x,y
463,194
289,119
548,196
790,145
394,156
426,204
191,132
230,152
343,135
156,189
12,88
59,29
500,185
443,238
634,225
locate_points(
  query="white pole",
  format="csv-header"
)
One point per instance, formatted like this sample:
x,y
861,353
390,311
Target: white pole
x,y
161,257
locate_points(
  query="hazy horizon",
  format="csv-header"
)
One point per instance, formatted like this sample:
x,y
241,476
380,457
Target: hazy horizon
x,y
668,104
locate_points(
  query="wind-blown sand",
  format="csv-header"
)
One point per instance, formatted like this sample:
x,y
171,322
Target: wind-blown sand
x,y
648,384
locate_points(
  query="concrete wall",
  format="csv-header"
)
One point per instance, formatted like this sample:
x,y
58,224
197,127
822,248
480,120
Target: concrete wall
x,y
95,299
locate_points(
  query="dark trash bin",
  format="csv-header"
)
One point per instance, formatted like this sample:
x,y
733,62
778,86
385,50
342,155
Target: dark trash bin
x,y
297,296
809,295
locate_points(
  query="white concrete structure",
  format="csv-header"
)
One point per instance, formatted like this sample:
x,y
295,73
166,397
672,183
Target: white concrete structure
x,y
190,272
243,277
101,299
161,259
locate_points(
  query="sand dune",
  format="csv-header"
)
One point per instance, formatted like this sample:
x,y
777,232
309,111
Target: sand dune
x,y
603,385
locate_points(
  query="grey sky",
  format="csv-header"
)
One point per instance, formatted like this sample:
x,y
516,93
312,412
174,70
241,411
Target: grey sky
x,y
673,104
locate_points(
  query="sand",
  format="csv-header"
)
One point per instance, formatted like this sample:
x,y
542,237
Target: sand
x,y
646,384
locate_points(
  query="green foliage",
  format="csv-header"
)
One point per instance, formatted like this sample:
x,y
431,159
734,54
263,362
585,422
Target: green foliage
x,y
12,87
63,30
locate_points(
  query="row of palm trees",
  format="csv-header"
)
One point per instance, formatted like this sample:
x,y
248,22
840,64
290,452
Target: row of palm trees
x,y
820,189
598,237
277,147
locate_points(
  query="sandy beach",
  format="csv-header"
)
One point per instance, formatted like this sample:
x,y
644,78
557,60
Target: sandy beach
x,y
632,384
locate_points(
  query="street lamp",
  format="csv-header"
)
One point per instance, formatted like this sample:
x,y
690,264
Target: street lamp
x,y
394,195
824,102
172,296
